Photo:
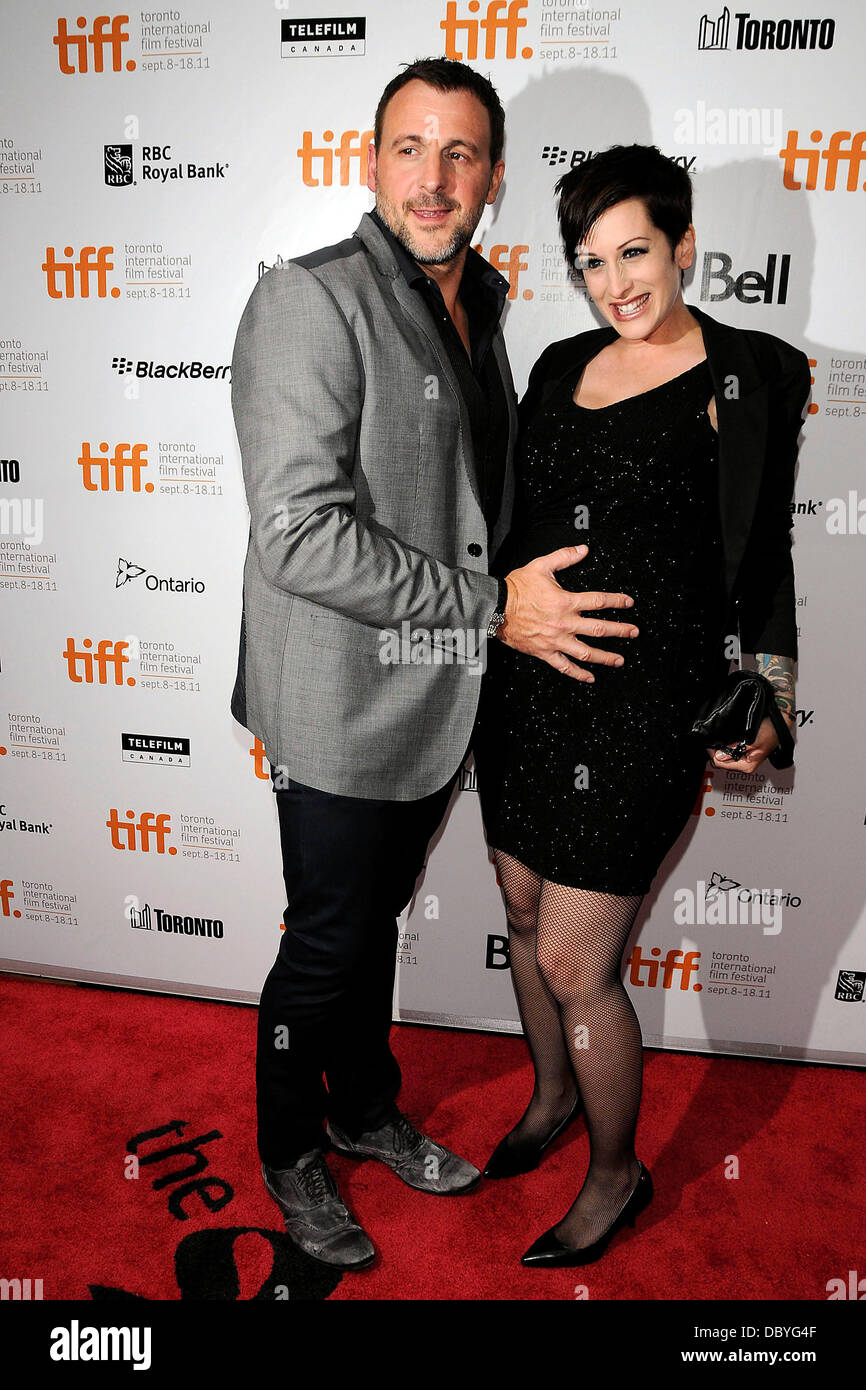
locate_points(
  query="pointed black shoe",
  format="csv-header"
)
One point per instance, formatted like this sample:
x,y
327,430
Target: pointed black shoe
x,y
508,1160
548,1252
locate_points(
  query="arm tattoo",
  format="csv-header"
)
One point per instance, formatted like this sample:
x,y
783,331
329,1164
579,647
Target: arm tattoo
x,y
779,671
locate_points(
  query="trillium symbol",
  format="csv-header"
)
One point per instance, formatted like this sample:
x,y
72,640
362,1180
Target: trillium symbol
x,y
719,884
126,571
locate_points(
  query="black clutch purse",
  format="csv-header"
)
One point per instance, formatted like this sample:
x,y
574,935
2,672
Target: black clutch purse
x,y
732,718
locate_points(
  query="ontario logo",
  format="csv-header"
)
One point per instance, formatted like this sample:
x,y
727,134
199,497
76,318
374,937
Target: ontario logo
x,y
724,901
127,571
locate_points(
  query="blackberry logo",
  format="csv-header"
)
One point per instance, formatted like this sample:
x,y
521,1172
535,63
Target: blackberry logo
x,y
171,371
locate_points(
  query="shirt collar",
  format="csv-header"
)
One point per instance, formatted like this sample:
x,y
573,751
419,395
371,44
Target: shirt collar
x,y
480,282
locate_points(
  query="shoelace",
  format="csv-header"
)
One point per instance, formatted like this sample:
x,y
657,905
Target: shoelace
x,y
406,1135
316,1181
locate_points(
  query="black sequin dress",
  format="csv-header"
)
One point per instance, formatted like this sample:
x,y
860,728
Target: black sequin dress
x,y
590,785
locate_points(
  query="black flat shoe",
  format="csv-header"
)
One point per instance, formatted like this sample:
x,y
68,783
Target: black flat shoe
x,y
507,1160
549,1252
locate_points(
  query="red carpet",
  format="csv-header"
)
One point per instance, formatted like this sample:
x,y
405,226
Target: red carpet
x,y
88,1069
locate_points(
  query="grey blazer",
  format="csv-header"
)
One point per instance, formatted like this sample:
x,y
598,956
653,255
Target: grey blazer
x,y
364,517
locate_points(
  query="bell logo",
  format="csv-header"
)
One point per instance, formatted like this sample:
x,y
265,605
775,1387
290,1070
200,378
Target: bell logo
x,y
833,155
493,22
97,474
353,145
148,833
6,896
107,32
683,962
85,268
88,667
508,260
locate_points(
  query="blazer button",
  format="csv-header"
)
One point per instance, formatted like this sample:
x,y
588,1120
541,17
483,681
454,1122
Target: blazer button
x,y
474,548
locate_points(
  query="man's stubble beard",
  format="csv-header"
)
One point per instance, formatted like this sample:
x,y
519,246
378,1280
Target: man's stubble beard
x,y
397,222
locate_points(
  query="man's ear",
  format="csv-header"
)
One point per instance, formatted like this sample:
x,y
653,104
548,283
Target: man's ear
x,y
371,167
496,174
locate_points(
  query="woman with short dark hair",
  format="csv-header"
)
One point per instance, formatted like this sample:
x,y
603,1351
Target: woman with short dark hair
x,y
666,442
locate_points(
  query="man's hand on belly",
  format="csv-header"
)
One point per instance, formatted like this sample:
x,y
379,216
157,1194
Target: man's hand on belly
x,y
546,621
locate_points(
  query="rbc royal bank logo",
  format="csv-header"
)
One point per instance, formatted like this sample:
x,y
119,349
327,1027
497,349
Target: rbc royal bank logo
x,y
117,160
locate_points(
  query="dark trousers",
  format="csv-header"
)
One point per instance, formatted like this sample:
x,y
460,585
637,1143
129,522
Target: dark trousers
x,y
350,866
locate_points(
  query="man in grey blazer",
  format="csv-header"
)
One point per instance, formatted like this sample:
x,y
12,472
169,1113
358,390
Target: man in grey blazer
x,y
375,413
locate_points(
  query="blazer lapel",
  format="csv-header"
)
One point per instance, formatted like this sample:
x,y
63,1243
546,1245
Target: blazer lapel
x,y
741,406
415,309
503,519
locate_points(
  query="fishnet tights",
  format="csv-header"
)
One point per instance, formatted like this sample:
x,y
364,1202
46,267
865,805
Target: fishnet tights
x,y
583,1034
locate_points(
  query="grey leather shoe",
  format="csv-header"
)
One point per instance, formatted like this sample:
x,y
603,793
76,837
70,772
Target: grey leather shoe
x,y
415,1158
317,1220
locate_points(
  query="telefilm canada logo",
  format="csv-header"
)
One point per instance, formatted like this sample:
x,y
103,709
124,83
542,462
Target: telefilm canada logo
x,y
345,37
758,33
127,571
146,368
156,750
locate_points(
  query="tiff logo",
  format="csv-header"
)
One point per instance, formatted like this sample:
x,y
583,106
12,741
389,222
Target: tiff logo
x,y
107,32
508,260
81,663
350,147
6,896
130,834
671,965
493,23
85,268
833,155
121,464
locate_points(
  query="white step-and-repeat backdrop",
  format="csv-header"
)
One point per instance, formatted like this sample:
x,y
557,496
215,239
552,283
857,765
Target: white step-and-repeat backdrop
x,y
152,164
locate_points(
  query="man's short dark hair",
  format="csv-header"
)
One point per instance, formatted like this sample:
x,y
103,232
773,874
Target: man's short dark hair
x,y
611,177
447,75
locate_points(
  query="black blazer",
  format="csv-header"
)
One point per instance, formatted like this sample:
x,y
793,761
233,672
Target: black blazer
x,y
761,384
